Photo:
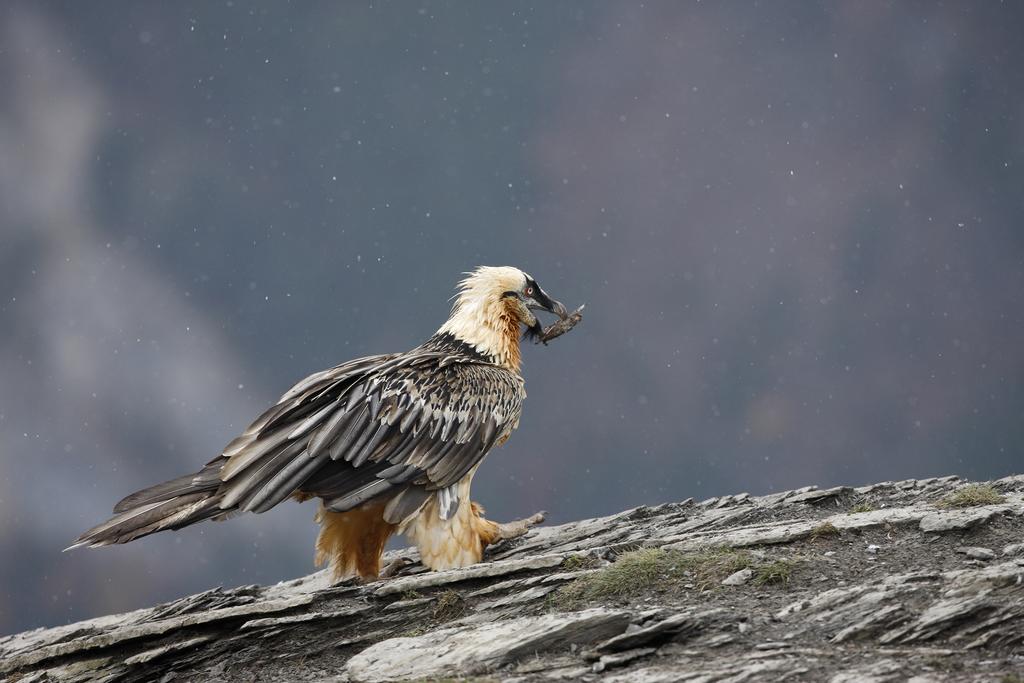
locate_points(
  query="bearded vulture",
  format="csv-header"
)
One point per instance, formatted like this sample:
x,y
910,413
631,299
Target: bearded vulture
x,y
388,443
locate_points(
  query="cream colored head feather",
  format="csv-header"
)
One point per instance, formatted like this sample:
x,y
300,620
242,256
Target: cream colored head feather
x,y
487,320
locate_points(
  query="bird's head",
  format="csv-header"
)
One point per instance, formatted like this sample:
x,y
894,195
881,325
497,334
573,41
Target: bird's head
x,y
492,303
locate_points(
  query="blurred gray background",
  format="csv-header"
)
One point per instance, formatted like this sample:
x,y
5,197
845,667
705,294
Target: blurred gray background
x,y
797,228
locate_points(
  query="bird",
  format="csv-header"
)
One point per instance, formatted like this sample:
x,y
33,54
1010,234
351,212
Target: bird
x,y
388,443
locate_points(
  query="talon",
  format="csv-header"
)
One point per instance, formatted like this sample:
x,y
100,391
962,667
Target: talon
x,y
394,566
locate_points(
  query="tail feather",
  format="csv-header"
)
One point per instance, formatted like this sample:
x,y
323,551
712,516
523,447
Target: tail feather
x,y
206,479
171,505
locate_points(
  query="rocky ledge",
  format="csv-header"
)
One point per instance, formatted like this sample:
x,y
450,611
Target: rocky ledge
x,y
917,578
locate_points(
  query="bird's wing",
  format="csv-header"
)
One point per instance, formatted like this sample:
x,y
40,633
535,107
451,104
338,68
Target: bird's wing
x,y
264,435
422,419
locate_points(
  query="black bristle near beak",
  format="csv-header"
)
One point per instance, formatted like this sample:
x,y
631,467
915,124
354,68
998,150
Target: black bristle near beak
x,y
534,332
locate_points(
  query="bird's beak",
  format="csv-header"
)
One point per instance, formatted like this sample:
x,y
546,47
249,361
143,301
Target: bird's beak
x,y
541,301
558,309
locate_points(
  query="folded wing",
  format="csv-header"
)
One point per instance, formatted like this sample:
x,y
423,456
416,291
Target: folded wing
x,y
397,427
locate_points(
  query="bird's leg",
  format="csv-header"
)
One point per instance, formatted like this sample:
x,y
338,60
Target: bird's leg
x,y
519,527
352,542
492,532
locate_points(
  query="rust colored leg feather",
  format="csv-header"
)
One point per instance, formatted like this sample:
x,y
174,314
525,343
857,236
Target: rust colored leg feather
x,y
353,541
485,528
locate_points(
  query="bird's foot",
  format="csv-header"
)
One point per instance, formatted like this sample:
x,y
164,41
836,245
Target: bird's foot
x,y
395,566
519,527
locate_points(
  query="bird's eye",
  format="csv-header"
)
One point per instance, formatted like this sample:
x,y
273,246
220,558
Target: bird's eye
x,y
529,291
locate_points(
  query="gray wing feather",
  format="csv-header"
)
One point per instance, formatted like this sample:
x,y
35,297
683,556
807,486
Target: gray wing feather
x,y
284,483
406,504
355,427
311,421
329,431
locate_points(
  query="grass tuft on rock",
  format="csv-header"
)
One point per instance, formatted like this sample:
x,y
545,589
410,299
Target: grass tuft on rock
x,y
970,496
656,570
824,530
575,563
862,506
773,573
633,573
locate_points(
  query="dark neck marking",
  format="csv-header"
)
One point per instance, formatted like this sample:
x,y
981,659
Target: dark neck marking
x,y
446,342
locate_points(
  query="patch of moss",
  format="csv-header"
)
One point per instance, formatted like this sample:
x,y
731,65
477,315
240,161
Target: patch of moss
x,y
971,496
410,595
449,605
652,569
824,530
863,506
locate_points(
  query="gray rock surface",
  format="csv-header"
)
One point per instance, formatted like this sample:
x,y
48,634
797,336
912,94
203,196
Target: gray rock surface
x,y
484,648
935,602
738,578
977,553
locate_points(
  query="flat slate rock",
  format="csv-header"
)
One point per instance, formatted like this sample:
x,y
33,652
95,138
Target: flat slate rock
x,y
472,650
879,582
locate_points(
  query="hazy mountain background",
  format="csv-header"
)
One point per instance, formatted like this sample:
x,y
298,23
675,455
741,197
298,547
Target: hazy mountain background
x,y
797,229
